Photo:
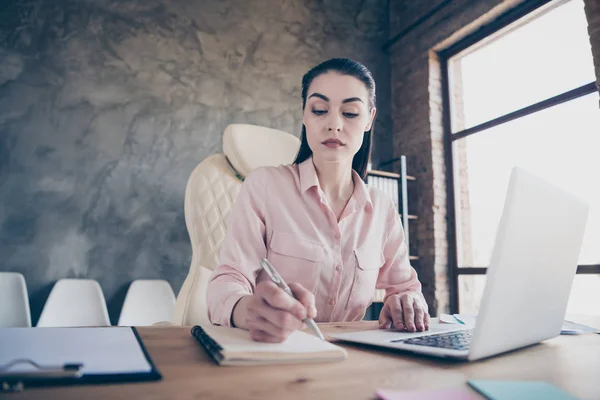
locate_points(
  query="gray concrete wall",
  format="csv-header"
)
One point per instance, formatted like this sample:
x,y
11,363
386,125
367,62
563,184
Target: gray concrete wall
x,y
106,106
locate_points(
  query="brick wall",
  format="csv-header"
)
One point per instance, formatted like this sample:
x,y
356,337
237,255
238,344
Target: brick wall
x,y
417,120
592,11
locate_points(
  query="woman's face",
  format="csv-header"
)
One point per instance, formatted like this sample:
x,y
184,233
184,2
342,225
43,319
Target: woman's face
x,y
336,116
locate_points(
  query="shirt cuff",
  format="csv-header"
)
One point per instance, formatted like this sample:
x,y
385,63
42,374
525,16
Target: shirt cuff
x,y
225,317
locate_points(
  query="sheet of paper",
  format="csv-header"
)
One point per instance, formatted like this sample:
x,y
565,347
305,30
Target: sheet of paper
x,y
101,350
519,390
568,328
435,394
572,328
460,319
466,319
238,340
448,319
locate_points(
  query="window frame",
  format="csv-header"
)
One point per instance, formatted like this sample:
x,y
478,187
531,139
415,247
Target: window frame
x,y
525,9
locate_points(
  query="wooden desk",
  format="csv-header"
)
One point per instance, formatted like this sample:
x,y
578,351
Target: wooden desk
x,y
570,362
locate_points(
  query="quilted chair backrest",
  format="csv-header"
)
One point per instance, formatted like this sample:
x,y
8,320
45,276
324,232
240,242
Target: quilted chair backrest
x,y
210,194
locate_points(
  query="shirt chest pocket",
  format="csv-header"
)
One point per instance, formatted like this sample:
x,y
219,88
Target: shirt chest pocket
x,y
296,259
368,261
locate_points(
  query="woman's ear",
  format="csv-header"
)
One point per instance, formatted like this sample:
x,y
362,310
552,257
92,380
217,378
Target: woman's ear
x,y
371,119
303,123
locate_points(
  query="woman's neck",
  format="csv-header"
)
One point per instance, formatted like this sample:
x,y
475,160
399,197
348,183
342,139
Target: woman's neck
x,y
335,179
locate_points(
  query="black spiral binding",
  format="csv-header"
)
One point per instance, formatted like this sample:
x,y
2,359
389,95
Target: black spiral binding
x,y
212,348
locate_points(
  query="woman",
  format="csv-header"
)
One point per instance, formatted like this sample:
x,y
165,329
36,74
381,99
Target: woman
x,y
332,238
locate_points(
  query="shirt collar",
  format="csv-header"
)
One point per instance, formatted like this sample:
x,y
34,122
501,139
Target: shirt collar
x,y
308,175
361,191
309,179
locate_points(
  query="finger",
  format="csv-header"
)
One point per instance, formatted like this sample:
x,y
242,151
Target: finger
x,y
262,336
280,318
277,298
408,312
276,332
385,321
426,321
396,312
305,297
419,316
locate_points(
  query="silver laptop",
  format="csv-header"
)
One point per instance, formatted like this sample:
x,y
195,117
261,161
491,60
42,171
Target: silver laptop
x,y
528,284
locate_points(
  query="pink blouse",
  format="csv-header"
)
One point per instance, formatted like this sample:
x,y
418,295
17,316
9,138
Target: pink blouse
x,y
282,214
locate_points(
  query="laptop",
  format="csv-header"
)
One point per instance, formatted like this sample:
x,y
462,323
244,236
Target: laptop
x,y
529,279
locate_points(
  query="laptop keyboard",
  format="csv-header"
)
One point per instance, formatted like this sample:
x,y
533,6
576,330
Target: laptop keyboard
x,y
458,340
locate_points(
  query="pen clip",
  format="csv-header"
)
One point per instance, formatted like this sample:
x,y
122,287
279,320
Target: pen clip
x,y
13,381
271,272
40,371
275,277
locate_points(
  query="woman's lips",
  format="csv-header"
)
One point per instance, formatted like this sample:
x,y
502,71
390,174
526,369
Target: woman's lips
x,y
333,143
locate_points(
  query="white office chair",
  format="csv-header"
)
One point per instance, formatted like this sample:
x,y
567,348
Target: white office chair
x,y
210,193
147,302
14,301
75,302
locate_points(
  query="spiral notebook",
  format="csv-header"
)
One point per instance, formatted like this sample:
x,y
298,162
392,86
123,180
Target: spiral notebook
x,y
232,346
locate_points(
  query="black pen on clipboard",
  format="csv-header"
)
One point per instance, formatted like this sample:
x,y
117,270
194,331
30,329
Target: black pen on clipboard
x,y
13,381
278,280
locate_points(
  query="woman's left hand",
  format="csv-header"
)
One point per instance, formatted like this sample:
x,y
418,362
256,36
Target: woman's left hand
x,y
406,311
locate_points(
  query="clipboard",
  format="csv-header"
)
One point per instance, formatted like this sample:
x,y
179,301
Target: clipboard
x,y
63,344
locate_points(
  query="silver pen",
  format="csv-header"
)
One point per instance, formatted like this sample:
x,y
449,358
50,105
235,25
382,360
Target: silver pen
x,y
278,280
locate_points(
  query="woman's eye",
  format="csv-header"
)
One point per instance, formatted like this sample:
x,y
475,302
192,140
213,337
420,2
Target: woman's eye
x,y
319,112
350,115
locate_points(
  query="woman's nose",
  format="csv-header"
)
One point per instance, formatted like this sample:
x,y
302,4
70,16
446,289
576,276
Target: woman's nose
x,y
334,123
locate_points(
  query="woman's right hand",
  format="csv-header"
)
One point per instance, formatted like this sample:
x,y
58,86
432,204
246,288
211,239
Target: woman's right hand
x,y
270,314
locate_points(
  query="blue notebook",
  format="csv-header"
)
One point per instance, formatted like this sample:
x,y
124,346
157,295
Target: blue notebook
x,y
519,390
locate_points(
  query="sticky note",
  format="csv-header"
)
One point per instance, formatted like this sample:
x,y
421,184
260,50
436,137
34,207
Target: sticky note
x,y
519,390
430,394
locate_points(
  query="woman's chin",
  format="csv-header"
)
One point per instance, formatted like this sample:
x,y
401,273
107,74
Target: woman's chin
x,y
330,158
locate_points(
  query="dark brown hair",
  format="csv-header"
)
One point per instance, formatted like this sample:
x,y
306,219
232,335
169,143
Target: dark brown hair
x,y
342,66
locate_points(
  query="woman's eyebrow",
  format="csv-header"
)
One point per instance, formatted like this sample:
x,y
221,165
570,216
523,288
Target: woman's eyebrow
x,y
351,99
319,95
322,96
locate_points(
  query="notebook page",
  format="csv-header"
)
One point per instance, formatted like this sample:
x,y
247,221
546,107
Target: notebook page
x,y
239,340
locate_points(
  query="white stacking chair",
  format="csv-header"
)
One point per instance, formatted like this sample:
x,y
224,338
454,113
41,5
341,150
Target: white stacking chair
x,y
210,194
147,302
75,302
14,301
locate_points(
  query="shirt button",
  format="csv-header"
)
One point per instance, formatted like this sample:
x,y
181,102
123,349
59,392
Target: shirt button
x,y
337,236
332,302
338,268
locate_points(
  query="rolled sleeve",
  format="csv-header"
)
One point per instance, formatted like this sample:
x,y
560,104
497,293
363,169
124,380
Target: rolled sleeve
x,y
397,275
241,250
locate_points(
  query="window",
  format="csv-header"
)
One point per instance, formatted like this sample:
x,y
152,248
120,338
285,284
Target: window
x,y
521,92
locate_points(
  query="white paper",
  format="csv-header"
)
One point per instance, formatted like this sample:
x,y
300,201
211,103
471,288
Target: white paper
x,y
568,328
447,319
100,350
466,319
239,340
